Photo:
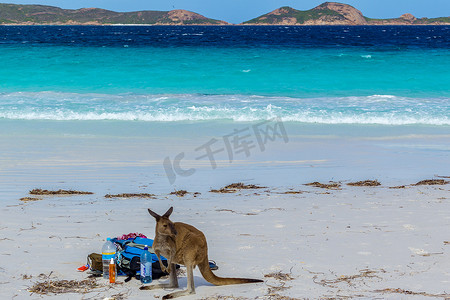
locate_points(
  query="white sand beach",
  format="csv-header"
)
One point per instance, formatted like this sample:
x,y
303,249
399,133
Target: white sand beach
x,y
352,242
331,243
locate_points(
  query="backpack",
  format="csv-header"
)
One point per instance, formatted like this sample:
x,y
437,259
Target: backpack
x,y
129,258
95,264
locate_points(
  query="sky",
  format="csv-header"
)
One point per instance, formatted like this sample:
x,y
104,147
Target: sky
x,y
237,11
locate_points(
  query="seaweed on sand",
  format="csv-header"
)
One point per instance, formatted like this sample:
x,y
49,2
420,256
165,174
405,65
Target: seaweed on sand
x,y
365,183
432,182
223,191
29,199
398,187
349,279
180,193
330,186
222,297
242,186
64,286
406,292
130,195
234,187
293,192
273,291
58,192
280,276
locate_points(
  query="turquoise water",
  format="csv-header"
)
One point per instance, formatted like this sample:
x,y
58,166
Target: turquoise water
x,y
386,75
196,83
265,72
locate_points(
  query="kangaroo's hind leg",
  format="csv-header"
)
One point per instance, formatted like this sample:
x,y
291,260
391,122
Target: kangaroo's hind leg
x,y
190,285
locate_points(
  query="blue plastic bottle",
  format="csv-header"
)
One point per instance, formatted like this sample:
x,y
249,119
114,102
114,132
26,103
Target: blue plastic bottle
x,y
146,266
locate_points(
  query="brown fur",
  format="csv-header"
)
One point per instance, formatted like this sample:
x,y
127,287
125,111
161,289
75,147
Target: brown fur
x,y
184,244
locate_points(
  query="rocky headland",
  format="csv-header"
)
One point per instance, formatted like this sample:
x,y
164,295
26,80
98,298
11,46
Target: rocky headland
x,y
333,13
328,13
12,14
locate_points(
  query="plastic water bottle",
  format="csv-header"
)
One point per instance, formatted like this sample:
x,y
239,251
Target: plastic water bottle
x,y
108,252
146,266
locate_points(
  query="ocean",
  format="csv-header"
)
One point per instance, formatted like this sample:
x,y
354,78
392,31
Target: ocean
x,y
180,86
357,75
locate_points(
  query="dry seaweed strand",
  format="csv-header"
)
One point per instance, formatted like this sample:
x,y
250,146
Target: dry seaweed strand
x,y
365,183
119,296
293,192
130,195
432,182
273,291
330,186
280,276
223,191
339,297
221,297
398,187
64,286
241,186
58,192
365,273
180,193
269,297
234,187
406,292
29,199
280,297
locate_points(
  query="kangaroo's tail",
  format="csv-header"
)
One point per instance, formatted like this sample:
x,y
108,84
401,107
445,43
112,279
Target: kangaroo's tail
x,y
216,280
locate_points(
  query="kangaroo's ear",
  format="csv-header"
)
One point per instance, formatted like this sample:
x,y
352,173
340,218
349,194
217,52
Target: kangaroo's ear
x,y
154,215
168,212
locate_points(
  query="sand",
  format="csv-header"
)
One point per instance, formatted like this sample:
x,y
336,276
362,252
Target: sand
x,y
319,244
303,241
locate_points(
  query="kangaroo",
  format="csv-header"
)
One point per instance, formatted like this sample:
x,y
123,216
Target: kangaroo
x,y
184,244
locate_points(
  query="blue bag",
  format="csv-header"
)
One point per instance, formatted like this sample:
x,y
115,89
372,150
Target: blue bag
x,y
129,258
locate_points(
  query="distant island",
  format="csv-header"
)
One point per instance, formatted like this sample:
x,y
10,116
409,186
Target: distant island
x,y
332,13
14,14
328,13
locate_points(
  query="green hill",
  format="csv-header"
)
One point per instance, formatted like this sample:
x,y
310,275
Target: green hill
x,y
42,14
328,13
333,13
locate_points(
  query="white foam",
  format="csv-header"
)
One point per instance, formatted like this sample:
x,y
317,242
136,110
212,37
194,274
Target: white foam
x,y
373,109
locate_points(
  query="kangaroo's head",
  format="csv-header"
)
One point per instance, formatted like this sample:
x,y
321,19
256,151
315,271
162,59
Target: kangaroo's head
x,y
163,225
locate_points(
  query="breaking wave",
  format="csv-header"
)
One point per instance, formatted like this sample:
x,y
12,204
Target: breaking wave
x,y
374,109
